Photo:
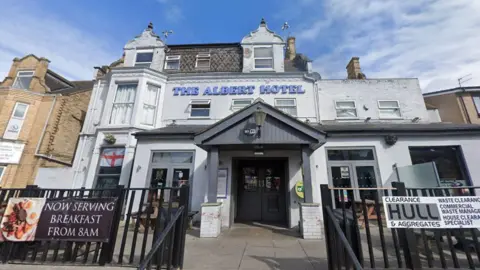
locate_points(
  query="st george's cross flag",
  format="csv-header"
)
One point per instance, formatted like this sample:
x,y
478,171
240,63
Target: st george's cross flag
x,y
112,157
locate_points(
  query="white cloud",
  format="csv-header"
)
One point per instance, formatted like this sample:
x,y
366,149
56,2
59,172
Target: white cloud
x,y
434,40
73,52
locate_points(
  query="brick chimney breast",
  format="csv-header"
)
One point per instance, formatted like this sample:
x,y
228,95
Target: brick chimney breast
x,y
291,50
353,69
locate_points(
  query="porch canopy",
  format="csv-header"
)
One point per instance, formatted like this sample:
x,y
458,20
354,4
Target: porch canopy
x,y
239,131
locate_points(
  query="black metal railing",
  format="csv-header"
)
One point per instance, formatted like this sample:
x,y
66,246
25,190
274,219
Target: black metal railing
x,y
345,255
141,216
360,215
161,246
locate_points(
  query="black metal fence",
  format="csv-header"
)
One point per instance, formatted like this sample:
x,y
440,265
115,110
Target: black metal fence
x,y
142,217
356,216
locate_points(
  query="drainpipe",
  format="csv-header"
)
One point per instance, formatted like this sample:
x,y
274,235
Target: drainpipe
x,y
48,157
84,141
316,103
464,108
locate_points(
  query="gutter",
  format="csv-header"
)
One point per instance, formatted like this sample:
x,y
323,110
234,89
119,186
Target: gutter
x,y
316,98
464,107
49,157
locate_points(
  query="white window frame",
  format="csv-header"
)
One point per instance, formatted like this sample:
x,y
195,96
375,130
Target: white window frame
x,y
143,63
348,117
3,172
203,56
118,84
19,76
153,105
237,107
200,102
260,58
170,58
15,108
294,101
390,117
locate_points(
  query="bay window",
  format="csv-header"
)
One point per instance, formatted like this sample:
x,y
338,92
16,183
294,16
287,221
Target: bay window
x,y
150,104
123,104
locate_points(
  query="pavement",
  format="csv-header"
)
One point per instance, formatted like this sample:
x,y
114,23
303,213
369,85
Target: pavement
x,y
241,247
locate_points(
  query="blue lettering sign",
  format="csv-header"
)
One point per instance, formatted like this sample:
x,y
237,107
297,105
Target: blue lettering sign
x,y
239,90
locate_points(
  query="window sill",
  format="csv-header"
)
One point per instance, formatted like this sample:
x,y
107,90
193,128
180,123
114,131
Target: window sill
x,y
263,69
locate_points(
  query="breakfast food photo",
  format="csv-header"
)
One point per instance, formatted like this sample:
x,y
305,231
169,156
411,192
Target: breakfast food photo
x,y
20,219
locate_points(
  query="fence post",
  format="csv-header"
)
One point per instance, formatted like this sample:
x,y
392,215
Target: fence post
x,y
327,202
181,228
406,236
108,248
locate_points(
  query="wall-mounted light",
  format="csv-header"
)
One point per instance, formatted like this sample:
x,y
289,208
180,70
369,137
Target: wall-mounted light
x,y
416,119
259,120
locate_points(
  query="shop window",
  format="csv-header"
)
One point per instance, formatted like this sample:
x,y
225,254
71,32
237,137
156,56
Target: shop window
x,y
287,105
353,154
2,171
476,101
203,61
448,161
123,104
389,109
346,109
263,57
172,62
143,59
110,168
23,80
150,104
238,104
200,108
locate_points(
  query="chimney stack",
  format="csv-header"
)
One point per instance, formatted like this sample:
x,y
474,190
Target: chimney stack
x,y
353,69
291,52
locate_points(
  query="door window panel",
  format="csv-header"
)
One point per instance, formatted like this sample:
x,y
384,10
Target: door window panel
x,y
354,154
250,179
366,179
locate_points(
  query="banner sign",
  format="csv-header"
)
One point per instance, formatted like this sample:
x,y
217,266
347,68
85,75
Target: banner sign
x,y
238,90
70,219
10,152
432,212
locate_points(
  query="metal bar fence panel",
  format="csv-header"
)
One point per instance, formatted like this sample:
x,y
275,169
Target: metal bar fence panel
x,y
139,212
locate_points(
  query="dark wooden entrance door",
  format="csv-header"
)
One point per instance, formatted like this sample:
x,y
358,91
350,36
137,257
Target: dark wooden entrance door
x,y
261,191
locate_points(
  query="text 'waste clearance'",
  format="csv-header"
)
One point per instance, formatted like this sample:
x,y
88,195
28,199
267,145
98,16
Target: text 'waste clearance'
x,y
432,212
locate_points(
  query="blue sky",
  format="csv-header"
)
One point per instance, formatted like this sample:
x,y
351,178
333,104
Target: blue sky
x,y
433,40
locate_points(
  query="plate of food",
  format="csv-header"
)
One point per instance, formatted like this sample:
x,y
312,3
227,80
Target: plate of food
x,y
20,219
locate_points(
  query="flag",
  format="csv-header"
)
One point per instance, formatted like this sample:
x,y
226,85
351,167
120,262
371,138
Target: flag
x,y
112,157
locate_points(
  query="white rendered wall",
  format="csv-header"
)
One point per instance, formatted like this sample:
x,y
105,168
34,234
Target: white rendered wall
x,y
368,92
178,107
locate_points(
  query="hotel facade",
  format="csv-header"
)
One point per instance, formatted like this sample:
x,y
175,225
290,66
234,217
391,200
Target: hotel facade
x,y
254,130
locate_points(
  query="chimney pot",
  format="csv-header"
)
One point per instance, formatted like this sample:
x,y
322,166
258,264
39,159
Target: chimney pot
x,y
291,52
353,69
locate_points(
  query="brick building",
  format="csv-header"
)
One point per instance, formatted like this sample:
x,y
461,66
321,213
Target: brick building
x,y
41,116
456,105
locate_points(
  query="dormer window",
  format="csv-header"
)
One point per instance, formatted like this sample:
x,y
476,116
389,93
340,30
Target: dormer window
x,y
23,80
144,59
263,57
172,62
203,61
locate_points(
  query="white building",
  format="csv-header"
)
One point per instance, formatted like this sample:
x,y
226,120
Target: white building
x,y
188,113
